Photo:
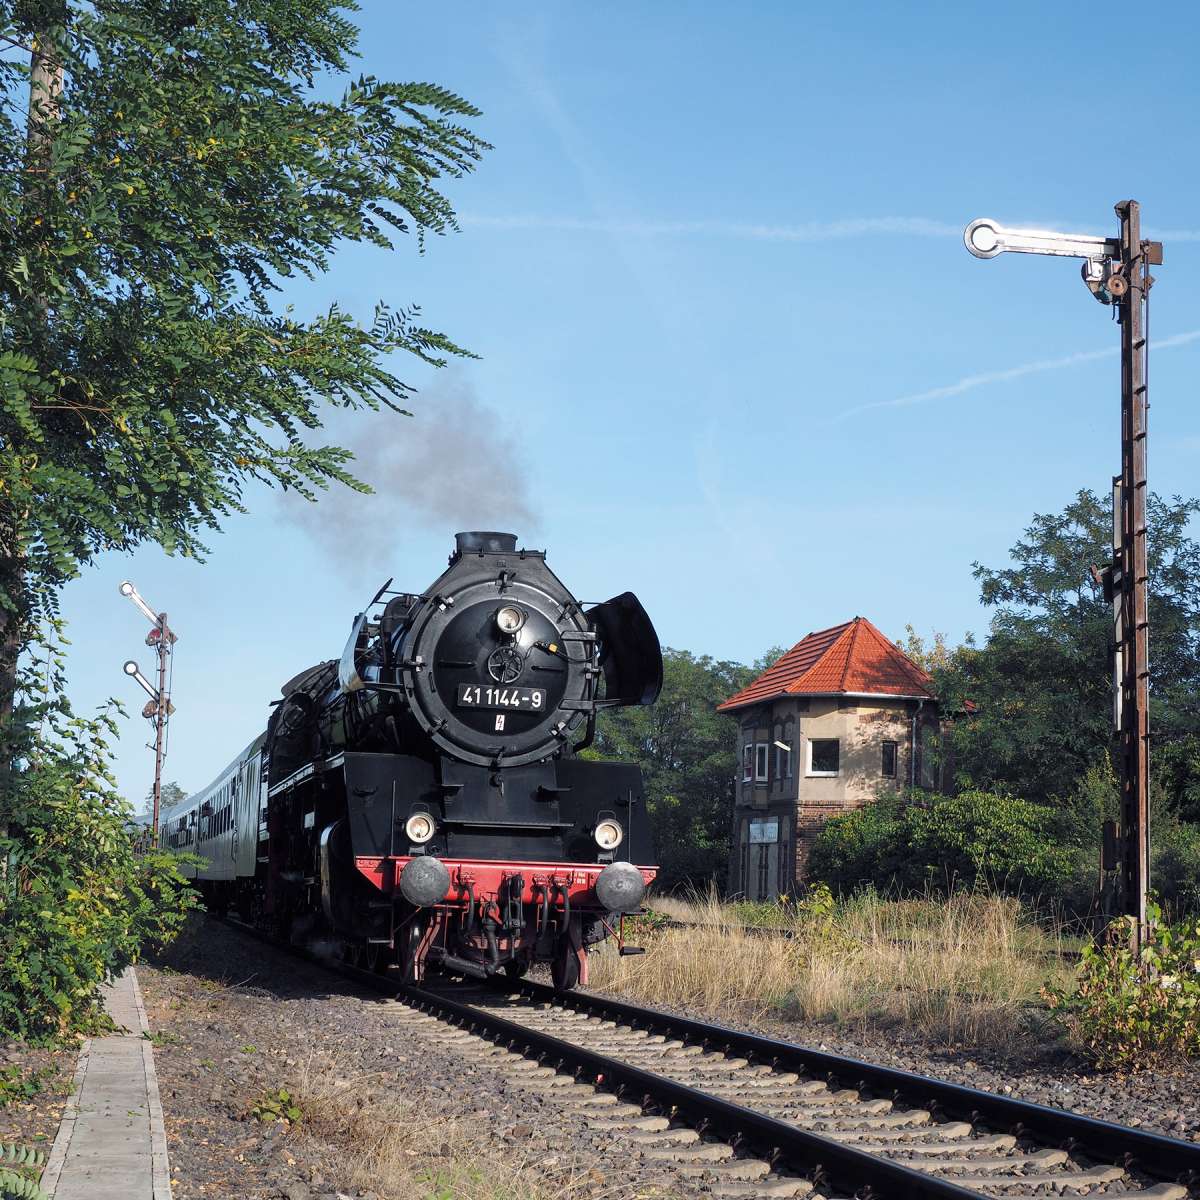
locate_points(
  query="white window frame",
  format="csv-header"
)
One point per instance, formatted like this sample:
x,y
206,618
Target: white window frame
x,y
892,774
748,762
762,762
824,774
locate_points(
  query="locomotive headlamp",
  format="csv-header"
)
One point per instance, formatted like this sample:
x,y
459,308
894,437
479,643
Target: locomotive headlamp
x,y
419,828
609,834
509,619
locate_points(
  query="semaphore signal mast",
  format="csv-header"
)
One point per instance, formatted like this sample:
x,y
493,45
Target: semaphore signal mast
x,y
1117,272
159,707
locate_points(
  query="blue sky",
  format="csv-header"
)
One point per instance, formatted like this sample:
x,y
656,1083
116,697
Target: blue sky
x,y
732,353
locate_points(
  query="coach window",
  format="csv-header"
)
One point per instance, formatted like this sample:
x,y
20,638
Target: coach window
x,y
888,769
823,756
760,762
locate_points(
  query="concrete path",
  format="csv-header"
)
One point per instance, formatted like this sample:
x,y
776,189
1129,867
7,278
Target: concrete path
x,y
111,1144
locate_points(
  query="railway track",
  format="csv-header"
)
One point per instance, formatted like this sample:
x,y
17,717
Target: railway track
x,y
786,934
754,1116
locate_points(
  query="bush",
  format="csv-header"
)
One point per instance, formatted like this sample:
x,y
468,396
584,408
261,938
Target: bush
x,y
944,842
1136,1012
1175,869
77,903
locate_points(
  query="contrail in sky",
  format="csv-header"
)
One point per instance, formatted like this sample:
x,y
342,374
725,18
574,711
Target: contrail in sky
x,y
757,231
807,231
970,382
804,231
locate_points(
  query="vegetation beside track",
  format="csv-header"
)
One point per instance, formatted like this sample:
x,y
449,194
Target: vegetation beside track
x,y
1137,1012
974,968
80,897
968,969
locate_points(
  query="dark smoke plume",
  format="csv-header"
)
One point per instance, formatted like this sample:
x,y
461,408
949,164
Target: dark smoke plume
x,y
451,465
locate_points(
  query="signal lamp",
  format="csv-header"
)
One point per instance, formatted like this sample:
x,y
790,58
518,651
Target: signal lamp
x,y
609,834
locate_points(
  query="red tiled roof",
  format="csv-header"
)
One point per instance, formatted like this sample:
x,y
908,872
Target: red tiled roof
x,y
854,657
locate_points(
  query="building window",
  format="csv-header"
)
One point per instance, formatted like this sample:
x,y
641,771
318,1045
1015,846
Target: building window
x,y
888,770
930,753
823,756
747,762
783,753
760,762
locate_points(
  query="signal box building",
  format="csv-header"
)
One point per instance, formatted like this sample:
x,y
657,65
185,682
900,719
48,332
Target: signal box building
x,y
844,715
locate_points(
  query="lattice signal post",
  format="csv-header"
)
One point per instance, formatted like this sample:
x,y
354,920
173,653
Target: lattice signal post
x,y
1117,272
159,707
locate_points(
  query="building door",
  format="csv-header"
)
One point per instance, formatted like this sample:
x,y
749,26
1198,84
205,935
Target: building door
x,y
763,883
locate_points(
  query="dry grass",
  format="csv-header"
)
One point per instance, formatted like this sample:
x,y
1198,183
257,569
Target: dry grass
x,y
966,970
401,1151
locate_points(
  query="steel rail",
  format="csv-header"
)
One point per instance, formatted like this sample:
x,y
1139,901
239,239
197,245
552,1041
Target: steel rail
x,y
1162,1157
808,1153
851,1170
1156,1155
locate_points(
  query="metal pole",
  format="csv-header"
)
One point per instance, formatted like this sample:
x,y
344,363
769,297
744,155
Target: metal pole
x,y
160,718
1133,662
1116,271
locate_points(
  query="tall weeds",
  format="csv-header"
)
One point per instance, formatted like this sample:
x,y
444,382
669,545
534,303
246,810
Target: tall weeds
x,y
964,970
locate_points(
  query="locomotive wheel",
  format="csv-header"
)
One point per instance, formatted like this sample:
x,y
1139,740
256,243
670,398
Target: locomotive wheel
x,y
564,970
377,958
408,942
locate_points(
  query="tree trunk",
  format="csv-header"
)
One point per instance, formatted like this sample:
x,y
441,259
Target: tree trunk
x,y
45,87
16,607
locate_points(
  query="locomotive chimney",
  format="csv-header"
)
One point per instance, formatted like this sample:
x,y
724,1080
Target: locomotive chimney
x,y
484,541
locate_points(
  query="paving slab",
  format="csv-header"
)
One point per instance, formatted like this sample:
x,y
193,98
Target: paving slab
x,y
112,1144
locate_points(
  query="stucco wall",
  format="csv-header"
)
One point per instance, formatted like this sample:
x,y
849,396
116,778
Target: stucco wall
x,y
861,726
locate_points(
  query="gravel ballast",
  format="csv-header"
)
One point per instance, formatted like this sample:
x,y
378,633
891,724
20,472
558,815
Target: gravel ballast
x,y
1166,1102
233,1019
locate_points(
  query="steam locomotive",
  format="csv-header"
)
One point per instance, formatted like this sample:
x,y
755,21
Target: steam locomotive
x,y
423,799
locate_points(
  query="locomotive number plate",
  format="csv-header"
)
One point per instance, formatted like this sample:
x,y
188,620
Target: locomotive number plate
x,y
502,699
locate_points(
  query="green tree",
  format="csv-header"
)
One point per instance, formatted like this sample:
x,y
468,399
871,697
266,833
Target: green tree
x,y
1042,682
935,655
165,167
171,793
686,750
78,901
947,842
